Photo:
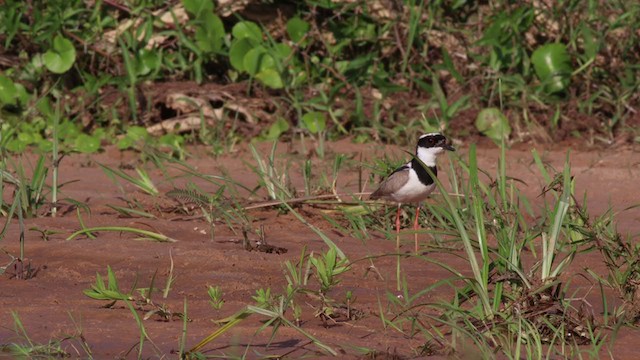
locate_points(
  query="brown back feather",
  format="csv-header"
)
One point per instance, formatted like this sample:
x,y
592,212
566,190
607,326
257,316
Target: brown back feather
x,y
390,185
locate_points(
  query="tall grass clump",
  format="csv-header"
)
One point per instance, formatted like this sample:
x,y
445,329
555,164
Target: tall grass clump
x,y
514,297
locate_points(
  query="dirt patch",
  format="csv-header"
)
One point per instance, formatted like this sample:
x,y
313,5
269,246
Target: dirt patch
x,y
52,303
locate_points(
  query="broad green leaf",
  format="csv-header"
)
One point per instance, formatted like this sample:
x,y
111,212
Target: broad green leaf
x,y
68,131
247,30
7,91
239,48
21,94
45,146
297,29
87,144
99,133
314,121
257,60
365,32
27,137
172,140
134,135
45,108
271,78
282,51
148,61
553,66
492,123
16,145
210,32
276,129
197,7
60,57
137,133
125,143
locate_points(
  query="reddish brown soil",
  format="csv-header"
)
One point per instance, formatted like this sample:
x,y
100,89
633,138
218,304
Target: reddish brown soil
x,y
50,303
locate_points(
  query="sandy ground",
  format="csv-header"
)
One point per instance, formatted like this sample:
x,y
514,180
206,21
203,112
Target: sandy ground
x,y
52,303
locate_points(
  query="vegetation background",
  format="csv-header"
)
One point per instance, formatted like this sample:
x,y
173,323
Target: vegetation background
x,y
373,70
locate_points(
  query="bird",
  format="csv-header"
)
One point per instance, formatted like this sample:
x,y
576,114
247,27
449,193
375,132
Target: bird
x,y
411,183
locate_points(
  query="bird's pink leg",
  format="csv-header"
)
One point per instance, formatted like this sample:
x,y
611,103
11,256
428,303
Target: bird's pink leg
x,y
398,230
398,273
415,227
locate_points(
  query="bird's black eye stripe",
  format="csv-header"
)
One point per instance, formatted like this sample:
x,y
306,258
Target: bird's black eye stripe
x,y
432,140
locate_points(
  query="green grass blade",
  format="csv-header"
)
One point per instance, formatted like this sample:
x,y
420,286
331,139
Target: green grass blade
x,y
149,234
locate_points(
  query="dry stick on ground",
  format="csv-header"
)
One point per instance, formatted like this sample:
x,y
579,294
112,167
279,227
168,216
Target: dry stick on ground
x,y
316,197
299,200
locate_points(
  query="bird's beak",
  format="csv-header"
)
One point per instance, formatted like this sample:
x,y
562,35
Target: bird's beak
x,y
449,147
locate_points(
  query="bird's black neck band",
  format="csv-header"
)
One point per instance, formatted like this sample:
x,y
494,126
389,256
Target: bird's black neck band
x,y
423,175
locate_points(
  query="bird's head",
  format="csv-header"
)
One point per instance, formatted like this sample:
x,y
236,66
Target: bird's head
x,y
431,145
434,143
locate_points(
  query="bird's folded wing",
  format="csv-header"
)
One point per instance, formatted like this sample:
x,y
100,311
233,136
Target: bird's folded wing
x,y
391,184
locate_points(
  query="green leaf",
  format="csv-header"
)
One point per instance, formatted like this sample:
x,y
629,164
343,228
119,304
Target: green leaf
x,y
137,133
125,143
197,7
251,61
21,94
361,62
282,51
68,131
7,91
60,57
210,32
258,60
148,61
276,129
298,78
448,64
27,138
341,66
553,67
45,108
239,49
87,144
297,29
492,123
172,140
591,41
271,78
247,30
16,145
314,121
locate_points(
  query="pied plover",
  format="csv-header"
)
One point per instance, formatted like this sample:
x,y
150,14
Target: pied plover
x,y
411,183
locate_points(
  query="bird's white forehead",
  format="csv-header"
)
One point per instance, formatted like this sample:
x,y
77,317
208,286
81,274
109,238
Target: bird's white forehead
x,y
430,134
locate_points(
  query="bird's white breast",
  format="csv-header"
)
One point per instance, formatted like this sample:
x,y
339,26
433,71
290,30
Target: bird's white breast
x,y
413,190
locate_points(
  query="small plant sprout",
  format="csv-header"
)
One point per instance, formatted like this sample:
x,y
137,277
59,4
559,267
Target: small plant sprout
x,y
143,182
138,297
263,298
328,267
215,297
272,179
315,123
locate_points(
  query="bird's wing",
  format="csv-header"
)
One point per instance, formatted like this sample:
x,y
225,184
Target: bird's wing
x,y
392,184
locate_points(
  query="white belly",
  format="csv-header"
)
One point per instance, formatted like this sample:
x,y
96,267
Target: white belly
x,y
413,191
